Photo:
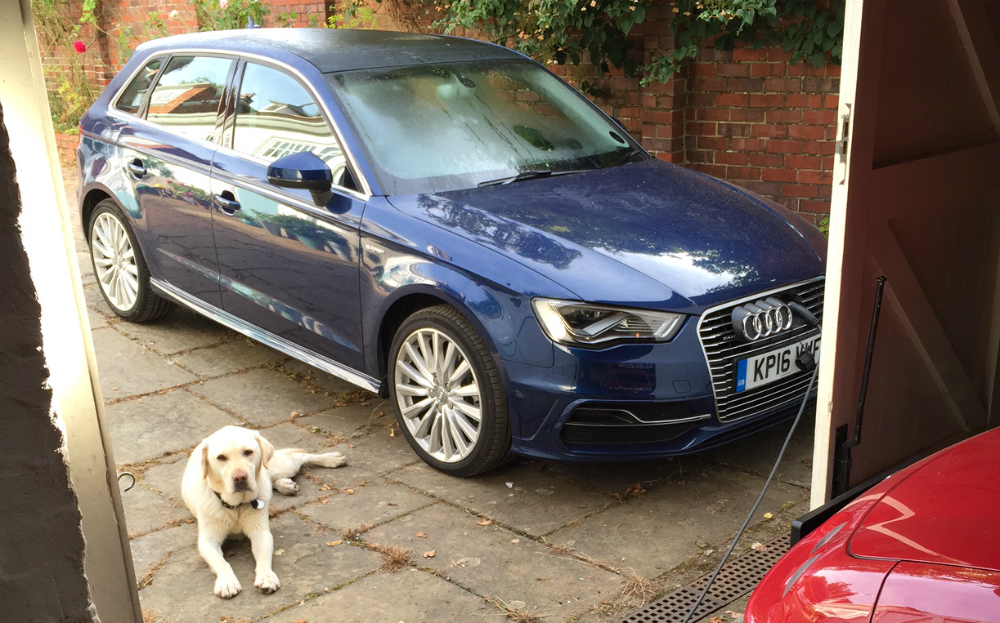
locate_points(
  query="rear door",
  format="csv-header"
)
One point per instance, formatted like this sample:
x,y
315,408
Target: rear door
x,y
168,158
287,265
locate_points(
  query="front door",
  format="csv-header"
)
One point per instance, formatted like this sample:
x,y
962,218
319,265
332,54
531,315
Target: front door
x,y
168,160
287,265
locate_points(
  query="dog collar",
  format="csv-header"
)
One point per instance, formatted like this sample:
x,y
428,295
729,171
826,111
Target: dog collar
x,y
255,504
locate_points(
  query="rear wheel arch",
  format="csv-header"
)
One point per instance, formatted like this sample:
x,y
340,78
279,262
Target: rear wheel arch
x,y
89,203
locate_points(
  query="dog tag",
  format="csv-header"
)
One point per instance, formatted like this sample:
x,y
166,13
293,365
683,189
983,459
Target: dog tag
x,y
257,504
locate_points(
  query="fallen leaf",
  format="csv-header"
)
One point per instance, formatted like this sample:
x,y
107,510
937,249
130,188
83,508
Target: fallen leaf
x,y
515,540
510,485
295,414
392,432
716,620
486,521
350,491
279,552
768,516
760,547
350,445
302,621
421,535
324,501
324,487
430,554
334,543
735,615
390,504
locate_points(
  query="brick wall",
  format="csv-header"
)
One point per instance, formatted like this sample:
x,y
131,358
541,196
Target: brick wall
x,y
747,116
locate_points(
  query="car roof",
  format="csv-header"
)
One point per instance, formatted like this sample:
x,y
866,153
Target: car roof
x,y
332,50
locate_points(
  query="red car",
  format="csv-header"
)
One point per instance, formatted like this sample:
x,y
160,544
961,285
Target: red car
x,y
922,545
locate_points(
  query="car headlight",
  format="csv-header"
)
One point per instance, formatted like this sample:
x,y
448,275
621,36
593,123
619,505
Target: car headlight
x,y
583,324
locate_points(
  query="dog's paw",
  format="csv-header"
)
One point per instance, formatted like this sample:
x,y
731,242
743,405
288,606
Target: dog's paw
x,y
331,459
227,586
286,486
267,582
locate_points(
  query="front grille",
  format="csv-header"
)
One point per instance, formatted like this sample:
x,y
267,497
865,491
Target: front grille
x,y
723,350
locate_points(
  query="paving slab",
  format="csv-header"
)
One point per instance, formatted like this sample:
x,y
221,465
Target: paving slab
x,y
758,452
352,420
146,511
238,354
501,564
261,397
126,368
94,300
319,379
97,321
617,478
372,504
517,495
410,596
149,550
670,524
181,590
154,425
371,457
165,476
180,331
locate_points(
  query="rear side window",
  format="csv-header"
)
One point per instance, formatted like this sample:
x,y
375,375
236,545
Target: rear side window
x,y
131,98
276,116
186,97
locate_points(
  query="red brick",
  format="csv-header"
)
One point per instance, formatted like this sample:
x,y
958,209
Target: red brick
x,y
648,101
700,70
814,177
669,157
804,101
819,117
778,175
784,116
814,207
798,190
778,55
734,129
715,170
831,101
753,115
745,144
749,54
782,85
803,162
742,173
767,160
769,189
770,131
767,101
748,85
733,70
808,132
699,156
712,142
732,99
783,147
660,116
762,69
704,129
713,114
732,157
823,148
709,84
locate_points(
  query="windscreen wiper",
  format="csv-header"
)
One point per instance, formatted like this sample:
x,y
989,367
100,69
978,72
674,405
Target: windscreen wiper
x,y
527,175
627,156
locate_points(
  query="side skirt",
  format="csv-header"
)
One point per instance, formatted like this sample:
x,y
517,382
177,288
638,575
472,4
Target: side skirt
x,y
268,339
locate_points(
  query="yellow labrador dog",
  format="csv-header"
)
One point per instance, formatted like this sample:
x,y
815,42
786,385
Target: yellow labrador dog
x,y
227,487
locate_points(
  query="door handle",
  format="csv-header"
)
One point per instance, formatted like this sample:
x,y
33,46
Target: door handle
x,y
227,205
135,168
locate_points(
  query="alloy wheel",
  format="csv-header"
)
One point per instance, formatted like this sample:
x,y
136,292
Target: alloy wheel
x,y
114,262
438,394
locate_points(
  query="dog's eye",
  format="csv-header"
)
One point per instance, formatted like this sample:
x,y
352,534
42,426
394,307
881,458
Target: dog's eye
x,y
248,453
222,457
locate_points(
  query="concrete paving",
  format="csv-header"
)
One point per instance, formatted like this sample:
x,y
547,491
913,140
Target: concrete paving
x,y
386,538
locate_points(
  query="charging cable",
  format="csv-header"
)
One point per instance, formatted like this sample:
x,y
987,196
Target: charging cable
x,y
805,361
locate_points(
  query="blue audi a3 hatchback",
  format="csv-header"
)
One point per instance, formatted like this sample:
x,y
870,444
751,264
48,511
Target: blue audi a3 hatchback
x,y
447,223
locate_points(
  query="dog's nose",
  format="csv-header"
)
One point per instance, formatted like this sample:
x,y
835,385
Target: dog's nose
x,y
240,481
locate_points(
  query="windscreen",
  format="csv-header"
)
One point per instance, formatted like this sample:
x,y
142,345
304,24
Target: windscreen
x,y
434,128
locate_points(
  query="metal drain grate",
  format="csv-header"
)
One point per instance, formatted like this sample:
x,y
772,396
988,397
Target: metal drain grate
x,y
737,578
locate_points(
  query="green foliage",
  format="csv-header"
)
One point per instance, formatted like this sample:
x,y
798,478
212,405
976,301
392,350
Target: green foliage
x,y
354,15
234,14
563,30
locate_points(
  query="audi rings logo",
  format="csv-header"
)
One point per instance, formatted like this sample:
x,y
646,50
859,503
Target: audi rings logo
x,y
761,319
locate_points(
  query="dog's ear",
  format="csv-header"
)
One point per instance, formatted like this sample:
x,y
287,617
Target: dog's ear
x,y
204,461
266,450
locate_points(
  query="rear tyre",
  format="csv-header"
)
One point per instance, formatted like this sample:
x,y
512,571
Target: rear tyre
x,y
120,268
447,393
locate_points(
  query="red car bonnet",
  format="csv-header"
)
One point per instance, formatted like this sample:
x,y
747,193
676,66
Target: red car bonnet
x,y
945,512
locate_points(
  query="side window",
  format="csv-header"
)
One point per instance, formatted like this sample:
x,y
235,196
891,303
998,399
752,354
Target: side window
x,y
131,98
186,97
276,116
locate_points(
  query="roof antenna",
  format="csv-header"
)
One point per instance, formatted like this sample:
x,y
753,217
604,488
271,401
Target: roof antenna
x,y
250,23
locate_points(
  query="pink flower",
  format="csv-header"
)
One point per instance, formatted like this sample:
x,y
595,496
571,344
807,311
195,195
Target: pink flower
x,y
80,46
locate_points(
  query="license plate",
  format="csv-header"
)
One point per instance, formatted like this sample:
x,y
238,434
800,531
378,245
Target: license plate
x,y
773,365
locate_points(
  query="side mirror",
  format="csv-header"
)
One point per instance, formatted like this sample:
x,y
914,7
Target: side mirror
x,y
304,171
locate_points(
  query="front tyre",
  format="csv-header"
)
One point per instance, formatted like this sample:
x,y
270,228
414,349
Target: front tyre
x,y
120,268
447,393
